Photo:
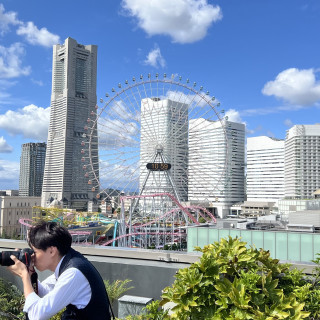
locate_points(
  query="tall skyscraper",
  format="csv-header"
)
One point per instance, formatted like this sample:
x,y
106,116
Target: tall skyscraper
x,y
73,98
220,179
164,139
265,169
31,169
302,161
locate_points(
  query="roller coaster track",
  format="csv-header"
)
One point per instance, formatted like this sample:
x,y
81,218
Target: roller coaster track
x,y
143,234
182,208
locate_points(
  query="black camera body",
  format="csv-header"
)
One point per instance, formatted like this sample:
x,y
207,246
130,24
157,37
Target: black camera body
x,y
24,255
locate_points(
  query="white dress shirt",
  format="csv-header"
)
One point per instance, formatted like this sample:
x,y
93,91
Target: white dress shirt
x,y
53,295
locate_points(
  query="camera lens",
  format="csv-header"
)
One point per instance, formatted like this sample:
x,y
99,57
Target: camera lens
x,y
5,259
24,255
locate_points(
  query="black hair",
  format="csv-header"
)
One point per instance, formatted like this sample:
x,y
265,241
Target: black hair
x,y
50,234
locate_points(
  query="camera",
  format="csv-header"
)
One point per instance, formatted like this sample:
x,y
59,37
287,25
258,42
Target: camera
x,y
24,255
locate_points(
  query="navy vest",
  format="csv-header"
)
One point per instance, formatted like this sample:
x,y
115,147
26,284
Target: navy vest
x,y
98,306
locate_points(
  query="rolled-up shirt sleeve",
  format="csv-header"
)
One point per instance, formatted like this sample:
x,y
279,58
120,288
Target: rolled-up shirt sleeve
x,y
72,287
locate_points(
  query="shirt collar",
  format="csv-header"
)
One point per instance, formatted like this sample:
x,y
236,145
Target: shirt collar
x,y
56,272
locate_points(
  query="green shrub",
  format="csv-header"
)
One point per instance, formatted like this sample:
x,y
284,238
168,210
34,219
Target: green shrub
x,y
233,282
116,288
11,301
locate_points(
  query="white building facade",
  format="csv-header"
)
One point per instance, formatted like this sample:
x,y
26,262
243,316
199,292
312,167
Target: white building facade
x,y
12,208
216,163
302,161
265,169
73,99
164,139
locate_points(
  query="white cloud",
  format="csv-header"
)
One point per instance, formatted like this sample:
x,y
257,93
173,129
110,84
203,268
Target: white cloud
x,y
31,122
10,61
7,98
122,175
120,110
288,123
270,134
295,86
271,110
40,37
7,19
4,147
9,174
249,131
115,133
5,83
234,116
29,30
37,82
155,59
185,21
4,95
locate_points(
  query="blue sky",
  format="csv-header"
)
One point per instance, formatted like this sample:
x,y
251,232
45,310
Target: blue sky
x,y
261,59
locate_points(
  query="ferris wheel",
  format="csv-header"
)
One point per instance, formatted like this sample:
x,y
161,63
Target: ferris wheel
x,y
156,135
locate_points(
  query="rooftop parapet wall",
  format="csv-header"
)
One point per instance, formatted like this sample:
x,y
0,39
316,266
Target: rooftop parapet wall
x,y
150,271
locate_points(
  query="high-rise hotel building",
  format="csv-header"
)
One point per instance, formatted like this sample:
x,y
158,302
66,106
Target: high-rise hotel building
x,y
164,139
265,169
73,98
302,161
31,169
216,163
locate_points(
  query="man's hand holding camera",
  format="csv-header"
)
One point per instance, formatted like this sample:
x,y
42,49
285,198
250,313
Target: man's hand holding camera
x,y
19,268
21,263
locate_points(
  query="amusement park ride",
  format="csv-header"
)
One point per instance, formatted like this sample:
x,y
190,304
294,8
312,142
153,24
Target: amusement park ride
x,y
149,159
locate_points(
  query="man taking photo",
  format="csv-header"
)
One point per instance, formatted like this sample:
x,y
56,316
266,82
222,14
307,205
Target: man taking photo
x,y
75,284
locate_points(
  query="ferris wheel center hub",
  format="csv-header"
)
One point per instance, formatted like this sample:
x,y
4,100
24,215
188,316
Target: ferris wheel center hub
x,y
159,148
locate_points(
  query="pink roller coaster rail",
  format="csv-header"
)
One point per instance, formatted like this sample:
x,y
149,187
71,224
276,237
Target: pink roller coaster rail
x,y
161,195
184,209
24,222
28,224
158,219
176,209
